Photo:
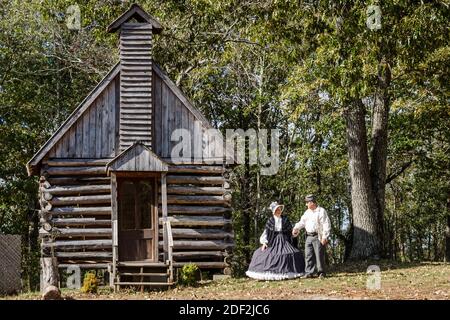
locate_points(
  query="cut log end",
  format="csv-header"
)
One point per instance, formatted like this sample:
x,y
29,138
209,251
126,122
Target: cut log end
x,y
227,271
50,277
51,293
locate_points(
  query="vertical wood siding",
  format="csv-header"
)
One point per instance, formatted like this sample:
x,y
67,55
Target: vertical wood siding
x,y
93,134
135,84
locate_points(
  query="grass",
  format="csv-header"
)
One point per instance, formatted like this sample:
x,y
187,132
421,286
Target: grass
x,y
417,281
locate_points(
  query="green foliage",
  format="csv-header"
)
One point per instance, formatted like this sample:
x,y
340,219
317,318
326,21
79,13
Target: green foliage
x,y
188,275
90,283
45,71
288,65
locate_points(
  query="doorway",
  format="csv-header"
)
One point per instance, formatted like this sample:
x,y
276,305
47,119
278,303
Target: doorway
x,y
137,219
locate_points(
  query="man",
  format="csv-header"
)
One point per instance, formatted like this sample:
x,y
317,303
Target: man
x,y
317,225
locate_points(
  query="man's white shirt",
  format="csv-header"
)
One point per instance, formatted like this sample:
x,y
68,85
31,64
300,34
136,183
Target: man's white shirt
x,y
263,238
315,221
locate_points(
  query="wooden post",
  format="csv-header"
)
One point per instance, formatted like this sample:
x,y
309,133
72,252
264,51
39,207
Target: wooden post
x,y
50,279
115,240
164,212
447,231
169,247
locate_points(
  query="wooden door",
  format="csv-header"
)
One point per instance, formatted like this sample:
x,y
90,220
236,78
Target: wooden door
x,y
137,213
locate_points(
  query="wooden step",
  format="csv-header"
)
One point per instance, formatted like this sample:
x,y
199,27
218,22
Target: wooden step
x,y
141,264
204,265
144,283
143,274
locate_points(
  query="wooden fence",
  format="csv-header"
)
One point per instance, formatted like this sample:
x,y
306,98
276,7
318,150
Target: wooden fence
x,y
10,260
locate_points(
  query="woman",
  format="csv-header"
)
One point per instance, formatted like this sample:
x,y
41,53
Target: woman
x,y
277,259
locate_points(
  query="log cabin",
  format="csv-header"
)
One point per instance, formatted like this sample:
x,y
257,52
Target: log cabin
x,y
113,193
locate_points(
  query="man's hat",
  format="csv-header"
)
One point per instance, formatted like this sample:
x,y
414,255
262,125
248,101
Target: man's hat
x,y
310,197
274,205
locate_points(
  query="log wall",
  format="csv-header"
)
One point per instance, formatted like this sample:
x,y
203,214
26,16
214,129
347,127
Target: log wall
x,y
198,205
75,196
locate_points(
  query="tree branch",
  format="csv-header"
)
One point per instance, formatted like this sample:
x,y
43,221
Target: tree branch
x,y
402,169
187,70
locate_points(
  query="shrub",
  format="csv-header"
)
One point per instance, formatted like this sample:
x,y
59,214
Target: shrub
x,y
188,275
90,283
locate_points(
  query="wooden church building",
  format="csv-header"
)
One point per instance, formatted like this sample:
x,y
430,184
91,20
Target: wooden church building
x,y
114,195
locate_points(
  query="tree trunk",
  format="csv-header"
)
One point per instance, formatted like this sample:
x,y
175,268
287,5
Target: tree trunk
x,y
258,175
447,232
365,234
50,279
379,148
378,163
395,249
245,207
436,242
32,245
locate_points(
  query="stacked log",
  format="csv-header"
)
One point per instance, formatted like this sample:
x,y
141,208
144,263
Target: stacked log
x,y
199,209
76,207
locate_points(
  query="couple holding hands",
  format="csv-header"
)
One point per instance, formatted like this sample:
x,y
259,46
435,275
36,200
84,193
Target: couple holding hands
x,y
279,258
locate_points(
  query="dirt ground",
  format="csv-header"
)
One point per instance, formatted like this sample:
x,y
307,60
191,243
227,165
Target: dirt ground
x,y
416,281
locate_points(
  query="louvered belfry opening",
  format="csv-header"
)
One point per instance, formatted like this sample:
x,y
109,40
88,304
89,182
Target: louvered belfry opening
x,y
135,84
136,29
